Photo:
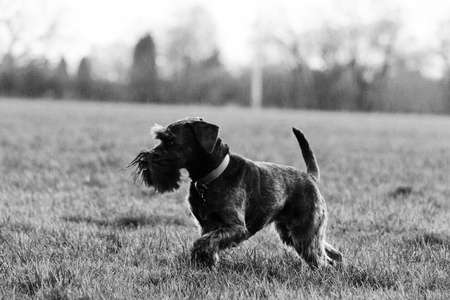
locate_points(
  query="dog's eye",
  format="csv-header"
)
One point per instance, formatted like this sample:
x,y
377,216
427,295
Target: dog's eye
x,y
171,143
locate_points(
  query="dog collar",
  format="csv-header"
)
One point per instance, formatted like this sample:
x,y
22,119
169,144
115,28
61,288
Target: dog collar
x,y
200,185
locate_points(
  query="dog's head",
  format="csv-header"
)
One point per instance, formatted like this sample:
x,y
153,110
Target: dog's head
x,y
183,144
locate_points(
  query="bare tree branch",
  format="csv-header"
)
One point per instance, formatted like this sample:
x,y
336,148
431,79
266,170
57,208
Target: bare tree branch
x,y
19,32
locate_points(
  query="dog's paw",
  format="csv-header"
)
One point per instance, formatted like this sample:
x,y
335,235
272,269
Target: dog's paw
x,y
203,257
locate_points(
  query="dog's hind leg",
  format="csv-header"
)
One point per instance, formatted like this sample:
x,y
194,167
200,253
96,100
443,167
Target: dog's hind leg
x,y
334,255
309,238
311,249
283,232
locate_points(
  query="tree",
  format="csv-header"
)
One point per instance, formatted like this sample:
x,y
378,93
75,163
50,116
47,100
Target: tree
x,y
144,77
295,46
61,79
8,76
26,30
192,60
84,80
371,54
350,58
26,26
35,78
190,41
444,54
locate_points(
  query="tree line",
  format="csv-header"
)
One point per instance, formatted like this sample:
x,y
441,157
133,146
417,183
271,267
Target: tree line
x,y
205,81
336,67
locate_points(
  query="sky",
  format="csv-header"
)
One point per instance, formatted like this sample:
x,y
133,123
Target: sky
x,y
114,26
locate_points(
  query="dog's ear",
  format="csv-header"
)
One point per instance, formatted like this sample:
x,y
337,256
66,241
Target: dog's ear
x,y
207,135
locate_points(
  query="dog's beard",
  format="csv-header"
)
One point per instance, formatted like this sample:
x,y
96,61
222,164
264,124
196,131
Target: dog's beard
x,y
161,173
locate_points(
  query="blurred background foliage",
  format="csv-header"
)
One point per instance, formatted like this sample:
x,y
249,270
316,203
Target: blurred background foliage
x,y
353,66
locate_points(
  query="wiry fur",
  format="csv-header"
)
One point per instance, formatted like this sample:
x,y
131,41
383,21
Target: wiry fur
x,y
246,197
161,133
163,173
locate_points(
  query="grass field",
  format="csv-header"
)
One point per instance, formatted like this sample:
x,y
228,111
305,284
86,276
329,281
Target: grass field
x,y
73,225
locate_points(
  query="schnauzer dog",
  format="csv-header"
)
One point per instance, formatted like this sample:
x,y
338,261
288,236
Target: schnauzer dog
x,y
233,197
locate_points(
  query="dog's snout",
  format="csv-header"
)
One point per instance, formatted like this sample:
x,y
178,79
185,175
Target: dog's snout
x,y
156,152
148,157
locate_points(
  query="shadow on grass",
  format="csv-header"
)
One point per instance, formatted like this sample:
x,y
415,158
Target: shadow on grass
x,y
25,227
413,249
285,269
52,283
259,267
428,239
131,222
401,191
375,279
296,268
271,270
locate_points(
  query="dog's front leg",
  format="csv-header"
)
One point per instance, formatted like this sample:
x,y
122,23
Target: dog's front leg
x,y
206,248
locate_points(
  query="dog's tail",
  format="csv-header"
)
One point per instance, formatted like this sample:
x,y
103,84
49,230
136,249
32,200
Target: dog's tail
x,y
308,155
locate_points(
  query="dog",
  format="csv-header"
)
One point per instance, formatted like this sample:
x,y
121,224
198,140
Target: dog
x,y
232,197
